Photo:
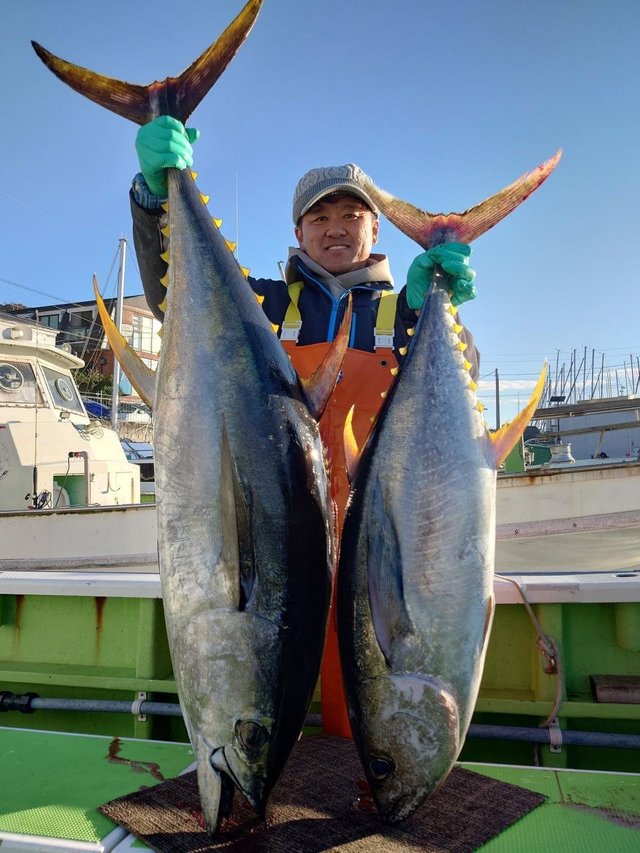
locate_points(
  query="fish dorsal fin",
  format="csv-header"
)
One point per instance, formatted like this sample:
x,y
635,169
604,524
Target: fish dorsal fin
x,y
389,615
142,377
237,553
505,438
319,386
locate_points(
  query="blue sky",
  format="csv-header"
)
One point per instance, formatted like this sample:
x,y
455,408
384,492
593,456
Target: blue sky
x,y
442,103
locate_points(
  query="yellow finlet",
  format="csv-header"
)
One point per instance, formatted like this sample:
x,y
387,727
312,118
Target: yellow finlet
x,y
383,394
467,364
216,221
259,298
194,175
165,206
461,346
245,271
165,256
403,350
505,438
452,310
231,246
165,231
457,328
164,281
163,305
275,327
205,198
395,371
479,406
473,385
351,449
411,332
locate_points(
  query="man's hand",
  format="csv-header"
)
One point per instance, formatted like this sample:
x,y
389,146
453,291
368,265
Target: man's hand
x,y
164,143
454,260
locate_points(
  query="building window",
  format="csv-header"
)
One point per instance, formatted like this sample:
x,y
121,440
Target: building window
x,y
144,334
50,320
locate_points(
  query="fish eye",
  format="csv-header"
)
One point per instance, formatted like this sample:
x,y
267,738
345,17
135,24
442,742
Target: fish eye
x,y
251,735
381,768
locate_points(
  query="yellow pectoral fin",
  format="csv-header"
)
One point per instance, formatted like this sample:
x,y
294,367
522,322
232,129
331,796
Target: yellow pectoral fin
x,y
505,438
319,386
351,449
142,377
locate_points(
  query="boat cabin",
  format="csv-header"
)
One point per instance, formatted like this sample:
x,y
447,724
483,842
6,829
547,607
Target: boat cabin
x,y
52,455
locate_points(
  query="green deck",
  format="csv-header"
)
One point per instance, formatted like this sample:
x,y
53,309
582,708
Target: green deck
x,y
57,781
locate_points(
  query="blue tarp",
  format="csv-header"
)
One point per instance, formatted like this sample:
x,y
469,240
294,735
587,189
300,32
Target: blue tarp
x,y
97,409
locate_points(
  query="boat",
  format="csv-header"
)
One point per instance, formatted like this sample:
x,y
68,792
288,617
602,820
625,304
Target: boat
x,y
52,454
141,454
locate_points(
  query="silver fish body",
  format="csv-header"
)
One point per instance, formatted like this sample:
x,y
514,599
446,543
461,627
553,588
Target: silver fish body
x,y
245,533
245,528
415,593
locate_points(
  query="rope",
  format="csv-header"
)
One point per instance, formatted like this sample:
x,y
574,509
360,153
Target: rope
x,y
550,652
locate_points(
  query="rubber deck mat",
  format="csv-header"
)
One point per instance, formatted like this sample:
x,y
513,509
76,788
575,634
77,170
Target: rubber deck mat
x,y
319,805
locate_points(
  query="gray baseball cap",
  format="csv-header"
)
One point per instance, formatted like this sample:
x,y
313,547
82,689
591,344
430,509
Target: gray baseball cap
x,y
326,180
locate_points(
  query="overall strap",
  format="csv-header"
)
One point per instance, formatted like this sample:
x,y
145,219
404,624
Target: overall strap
x,y
385,320
385,317
292,322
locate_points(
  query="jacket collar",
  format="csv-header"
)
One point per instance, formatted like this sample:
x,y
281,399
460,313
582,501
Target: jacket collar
x,y
376,274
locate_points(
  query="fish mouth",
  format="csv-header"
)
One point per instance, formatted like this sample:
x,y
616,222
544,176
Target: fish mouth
x,y
399,810
255,794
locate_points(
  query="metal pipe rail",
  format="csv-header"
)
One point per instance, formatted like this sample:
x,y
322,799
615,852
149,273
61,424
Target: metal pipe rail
x,y
28,703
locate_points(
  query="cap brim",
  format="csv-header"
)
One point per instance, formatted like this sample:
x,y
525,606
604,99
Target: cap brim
x,y
348,189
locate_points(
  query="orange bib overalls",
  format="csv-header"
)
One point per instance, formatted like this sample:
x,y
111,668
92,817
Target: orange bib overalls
x,y
364,380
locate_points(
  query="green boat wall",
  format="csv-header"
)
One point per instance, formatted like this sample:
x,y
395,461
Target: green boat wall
x,y
113,647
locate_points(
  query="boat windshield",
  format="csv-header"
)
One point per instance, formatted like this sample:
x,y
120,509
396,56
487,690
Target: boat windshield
x,y
63,390
18,384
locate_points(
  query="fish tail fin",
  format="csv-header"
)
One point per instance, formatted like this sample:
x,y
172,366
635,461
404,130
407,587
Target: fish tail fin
x,y
175,96
142,377
505,438
431,229
319,386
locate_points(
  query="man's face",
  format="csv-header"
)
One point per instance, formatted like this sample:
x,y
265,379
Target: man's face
x,y
338,233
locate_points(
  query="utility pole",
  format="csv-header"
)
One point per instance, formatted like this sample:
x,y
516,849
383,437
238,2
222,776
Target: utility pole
x,y
497,400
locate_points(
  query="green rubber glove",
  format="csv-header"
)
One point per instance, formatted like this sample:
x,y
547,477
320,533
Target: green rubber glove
x,y
164,143
454,260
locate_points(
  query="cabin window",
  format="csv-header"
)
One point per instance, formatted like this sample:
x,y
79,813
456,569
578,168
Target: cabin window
x,y
18,384
63,390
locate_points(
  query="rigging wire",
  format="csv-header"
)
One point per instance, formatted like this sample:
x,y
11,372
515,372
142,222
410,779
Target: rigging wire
x,y
53,218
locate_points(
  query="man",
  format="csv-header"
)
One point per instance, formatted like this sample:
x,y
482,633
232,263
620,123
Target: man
x,y
336,226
